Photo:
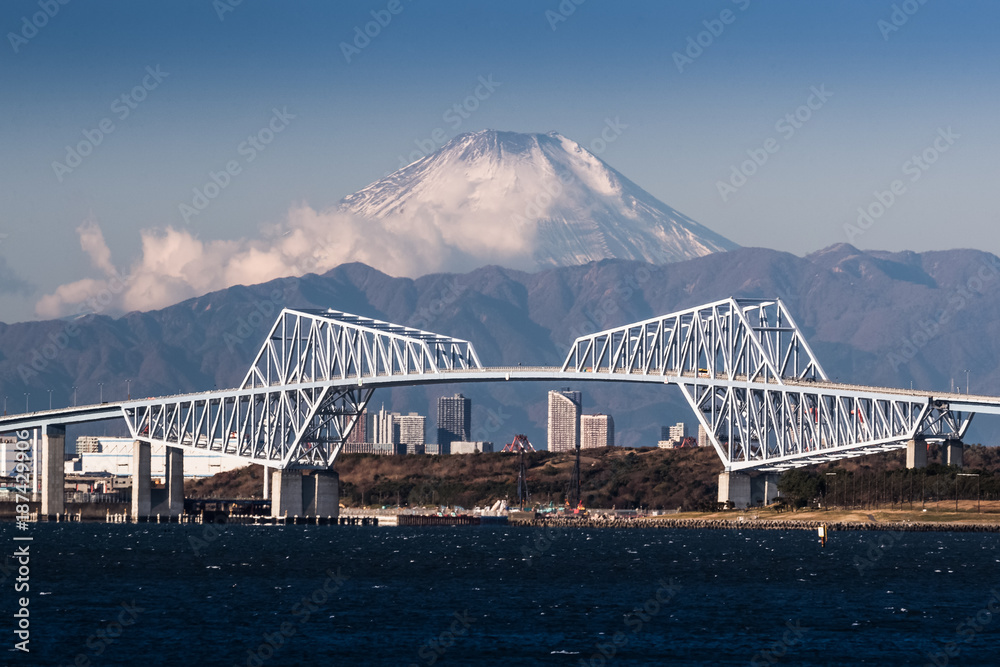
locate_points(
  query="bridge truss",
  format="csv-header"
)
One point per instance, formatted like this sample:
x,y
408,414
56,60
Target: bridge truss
x,y
743,365
305,391
758,390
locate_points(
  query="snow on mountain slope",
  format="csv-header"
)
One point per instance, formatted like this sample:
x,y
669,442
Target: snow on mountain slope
x,y
531,200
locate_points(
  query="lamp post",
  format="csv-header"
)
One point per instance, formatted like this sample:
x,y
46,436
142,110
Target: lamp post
x,y
74,396
5,405
101,385
26,395
50,399
979,506
128,389
966,380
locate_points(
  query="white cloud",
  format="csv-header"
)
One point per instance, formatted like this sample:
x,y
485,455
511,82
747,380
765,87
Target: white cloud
x,y
176,265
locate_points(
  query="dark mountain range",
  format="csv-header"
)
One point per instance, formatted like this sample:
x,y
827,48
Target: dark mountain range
x,y
872,317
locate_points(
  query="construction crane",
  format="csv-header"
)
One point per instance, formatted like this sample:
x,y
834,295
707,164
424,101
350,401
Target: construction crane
x,y
519,445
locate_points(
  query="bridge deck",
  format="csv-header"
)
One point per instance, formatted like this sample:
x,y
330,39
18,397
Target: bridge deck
x,y
113,409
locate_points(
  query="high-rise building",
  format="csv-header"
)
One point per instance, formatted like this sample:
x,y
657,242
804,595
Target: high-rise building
x,y
564,420
454,421
360,429
596,431
678,431
385,428
703,440
411,429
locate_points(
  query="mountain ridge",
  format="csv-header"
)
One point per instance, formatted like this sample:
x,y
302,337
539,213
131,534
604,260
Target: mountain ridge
x,y
869,316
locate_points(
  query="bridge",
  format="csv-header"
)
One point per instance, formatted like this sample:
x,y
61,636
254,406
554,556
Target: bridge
x,y
742,364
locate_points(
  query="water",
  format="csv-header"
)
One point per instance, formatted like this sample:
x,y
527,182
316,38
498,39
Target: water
x,y
710,597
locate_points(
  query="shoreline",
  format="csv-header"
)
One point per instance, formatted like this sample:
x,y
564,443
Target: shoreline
x,y
742,523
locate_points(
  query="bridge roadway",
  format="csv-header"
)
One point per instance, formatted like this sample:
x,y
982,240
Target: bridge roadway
x,y
115,409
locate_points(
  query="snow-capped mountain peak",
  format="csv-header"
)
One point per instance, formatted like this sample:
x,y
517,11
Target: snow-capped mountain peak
x,y
531,200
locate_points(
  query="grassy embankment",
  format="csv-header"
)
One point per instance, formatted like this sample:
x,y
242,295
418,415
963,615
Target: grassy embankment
x,y
654,479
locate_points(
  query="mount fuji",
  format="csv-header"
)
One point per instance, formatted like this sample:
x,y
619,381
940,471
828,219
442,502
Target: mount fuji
x,y
530,201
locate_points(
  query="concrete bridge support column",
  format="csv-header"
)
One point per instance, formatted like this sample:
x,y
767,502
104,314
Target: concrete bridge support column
x,y
954,451
174,476
916,453
286,493
771,487
141,500
322,494
735,486
53,469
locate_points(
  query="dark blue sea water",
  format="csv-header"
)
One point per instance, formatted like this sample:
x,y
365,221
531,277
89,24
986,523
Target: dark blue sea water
x,y
501,596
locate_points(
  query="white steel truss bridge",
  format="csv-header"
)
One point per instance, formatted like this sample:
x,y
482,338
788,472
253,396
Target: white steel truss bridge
x,y
742,364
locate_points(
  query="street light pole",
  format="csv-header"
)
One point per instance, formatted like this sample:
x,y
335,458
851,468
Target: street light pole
x,y
966,380
128,389
26,395
101,385
50,399
74,396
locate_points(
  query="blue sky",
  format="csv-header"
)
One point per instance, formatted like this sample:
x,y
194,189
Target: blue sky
x,y
891,94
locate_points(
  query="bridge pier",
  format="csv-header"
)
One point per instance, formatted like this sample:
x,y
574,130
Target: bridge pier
x,y
53,469
735,486
321,494
771,487
954,451
141,484
916,453
174,478
297,493
286,493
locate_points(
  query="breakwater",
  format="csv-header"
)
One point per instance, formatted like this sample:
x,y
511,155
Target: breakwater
x,y
756,524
